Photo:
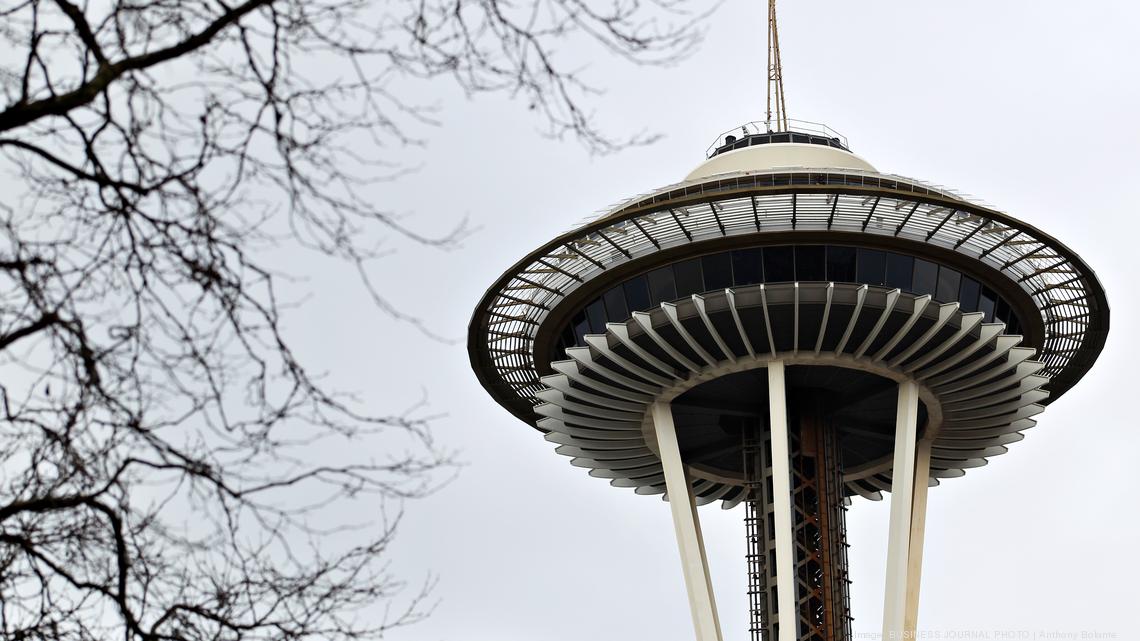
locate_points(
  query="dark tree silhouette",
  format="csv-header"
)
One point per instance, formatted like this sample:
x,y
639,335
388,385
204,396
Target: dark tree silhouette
x,y
159,475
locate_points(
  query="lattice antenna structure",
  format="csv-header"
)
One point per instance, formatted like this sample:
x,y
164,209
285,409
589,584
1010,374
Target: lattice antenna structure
x,y
775,75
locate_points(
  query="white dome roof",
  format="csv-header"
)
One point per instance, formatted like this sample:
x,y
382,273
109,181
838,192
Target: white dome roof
x,y
777,156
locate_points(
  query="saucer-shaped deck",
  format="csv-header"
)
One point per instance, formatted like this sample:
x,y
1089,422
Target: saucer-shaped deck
x,y
995,317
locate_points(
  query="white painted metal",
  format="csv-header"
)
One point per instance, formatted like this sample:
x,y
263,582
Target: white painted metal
x,y
699,303
774,155
782,501
917,536
730,296
688,527
587,407
902,503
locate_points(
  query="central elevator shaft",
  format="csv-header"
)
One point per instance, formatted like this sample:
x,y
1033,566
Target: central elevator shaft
x,y
818,533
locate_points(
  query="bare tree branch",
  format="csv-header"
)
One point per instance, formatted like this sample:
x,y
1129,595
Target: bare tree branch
x,y
170,467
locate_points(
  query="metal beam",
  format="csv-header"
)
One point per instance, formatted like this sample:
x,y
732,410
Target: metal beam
x,y
691,544
917,536
787,611
902,510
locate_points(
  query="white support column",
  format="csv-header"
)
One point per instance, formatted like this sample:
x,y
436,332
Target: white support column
x,y
694,564
902,510
782,503
917,534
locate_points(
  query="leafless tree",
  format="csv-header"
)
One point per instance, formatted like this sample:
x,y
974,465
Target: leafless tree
x,y
158,475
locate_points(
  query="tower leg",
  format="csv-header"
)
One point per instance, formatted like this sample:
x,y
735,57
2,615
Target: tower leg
x,y
687,525
900,539
787,614
917,534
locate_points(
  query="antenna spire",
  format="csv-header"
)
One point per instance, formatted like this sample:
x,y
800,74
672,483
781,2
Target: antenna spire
x,y
775,74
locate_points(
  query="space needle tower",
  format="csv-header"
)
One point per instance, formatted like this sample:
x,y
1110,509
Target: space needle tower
x,y
790,329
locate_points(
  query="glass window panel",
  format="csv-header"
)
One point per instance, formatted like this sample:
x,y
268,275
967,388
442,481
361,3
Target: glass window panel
x,y
810,263
688,277
661,285
925,277
567,340
596,313
948,280
968,294
581,328
872,266
779,264
900,271
616,309
1014,326
717,270
637,294
1001,311
841,264
986,304
747,267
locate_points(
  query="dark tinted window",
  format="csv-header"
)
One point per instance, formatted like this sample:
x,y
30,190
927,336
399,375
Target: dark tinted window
x,y
1014,326
925,277
566,340
968,294
872,266
841,264
810,263
688,277
779,264
947,285
783,264
1001,312
616,309
747,268
581,327
661,285
637,294
899,271
717,269
987,303
596,313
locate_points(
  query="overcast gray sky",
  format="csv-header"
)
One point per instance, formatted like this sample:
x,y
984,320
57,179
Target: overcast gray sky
x,y
1030,106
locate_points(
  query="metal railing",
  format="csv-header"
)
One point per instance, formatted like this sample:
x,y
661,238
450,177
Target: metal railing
x,y
760,127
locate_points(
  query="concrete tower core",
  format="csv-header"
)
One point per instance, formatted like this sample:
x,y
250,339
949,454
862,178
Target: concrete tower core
x,y
790,329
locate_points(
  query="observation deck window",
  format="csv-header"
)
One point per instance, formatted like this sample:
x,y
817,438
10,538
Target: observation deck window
x,y
872,266
779,264
689,278
948,282
636,294
925,277
662,285
747,267
811,263
841,264
968,294
900,271
718,271
786,263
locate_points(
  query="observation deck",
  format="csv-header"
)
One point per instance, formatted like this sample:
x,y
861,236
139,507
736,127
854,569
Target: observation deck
x,y
790,328
809,224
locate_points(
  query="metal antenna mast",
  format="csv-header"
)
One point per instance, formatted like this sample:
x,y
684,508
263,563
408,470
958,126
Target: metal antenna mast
x,y
775,74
